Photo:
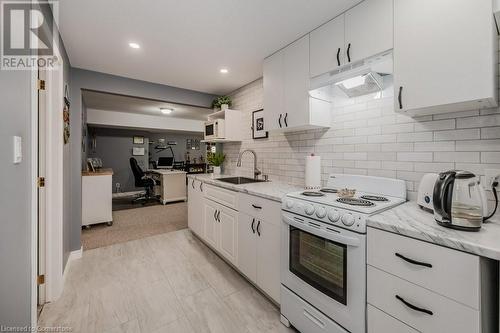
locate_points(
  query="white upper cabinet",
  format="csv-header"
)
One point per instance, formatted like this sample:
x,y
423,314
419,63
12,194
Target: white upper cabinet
x,y
274,90
361,32
287,105
445,56
327,46
368,29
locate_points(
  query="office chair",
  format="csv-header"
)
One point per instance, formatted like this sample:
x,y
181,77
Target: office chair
x,y
141,180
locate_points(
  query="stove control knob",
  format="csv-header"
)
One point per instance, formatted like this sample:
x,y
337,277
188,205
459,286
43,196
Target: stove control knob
x,y
321,212
309,209
348,220
289,204
333,215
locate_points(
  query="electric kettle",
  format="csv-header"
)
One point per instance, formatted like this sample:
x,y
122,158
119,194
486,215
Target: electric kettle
x,y
459,200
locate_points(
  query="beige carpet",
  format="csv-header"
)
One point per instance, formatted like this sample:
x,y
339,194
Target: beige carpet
x,y
136,223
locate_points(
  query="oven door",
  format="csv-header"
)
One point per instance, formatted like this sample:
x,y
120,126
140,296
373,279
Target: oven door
x,y
325,266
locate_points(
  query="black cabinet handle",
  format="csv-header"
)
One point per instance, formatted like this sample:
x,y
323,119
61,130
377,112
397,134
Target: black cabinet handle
x,y
413,307
411,261
349,52
201,186
286,116
279,120
215,215
258,228
256,207
400,98
192,184
253,223
218,216
338,56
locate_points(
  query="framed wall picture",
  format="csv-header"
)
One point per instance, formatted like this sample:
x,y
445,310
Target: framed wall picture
x,y
138,140
138,151
258,131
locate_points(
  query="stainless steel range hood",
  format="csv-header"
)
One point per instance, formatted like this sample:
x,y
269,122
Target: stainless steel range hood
x,y
357,79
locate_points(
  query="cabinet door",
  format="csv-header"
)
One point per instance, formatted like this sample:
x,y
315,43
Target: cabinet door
x,y
443,53
326,42
268,259
296,64
247,246
192,203
198,225
211,229
228,238
273,91
369,29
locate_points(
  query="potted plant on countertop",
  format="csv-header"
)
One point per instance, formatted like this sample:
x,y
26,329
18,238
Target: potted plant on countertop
x,y
222,102
216,159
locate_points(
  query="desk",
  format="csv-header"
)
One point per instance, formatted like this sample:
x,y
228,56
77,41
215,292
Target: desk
x,y
172,184
97,199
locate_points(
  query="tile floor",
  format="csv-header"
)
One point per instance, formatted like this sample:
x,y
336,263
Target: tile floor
x,y
164,283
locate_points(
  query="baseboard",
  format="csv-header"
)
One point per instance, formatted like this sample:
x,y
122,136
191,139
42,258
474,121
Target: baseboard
x,y
77,254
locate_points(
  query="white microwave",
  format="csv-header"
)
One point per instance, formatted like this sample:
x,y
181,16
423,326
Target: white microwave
x,y
214,129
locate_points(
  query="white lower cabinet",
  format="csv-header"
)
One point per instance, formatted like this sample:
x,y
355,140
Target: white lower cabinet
x,y
259,249
211,226
417,286
195,202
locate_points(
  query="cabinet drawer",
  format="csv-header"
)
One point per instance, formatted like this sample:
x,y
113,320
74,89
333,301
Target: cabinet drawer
x,y
447,315
381,322
260,208
224,197
453,274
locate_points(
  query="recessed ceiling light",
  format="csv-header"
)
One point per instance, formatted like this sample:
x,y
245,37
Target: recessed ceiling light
x,y
224,70
166,110
134,45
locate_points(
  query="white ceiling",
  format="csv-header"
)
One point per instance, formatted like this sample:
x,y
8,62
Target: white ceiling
x,y
119,103
185,43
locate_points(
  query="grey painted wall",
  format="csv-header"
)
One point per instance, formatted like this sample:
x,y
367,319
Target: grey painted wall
x,y
84,79
114,147
15,197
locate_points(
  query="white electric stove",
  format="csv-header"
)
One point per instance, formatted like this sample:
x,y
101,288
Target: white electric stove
x,y
323,266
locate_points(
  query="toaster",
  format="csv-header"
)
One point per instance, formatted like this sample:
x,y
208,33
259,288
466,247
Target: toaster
x,y
425,191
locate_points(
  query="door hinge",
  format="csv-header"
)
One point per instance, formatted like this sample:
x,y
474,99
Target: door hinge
x,y
41,181
41,84
40,279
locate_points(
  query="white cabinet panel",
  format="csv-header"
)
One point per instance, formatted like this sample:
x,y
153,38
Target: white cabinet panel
x,y
268,259
247,253
327,47
97,199
274,90
228,241
381,322
221,195
296,64
368,29
211,229
445,56
195,202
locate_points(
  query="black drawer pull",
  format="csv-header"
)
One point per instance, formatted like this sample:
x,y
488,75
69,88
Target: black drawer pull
x,y
413,307
338,56
256,207
349,52
411,261
253,222
400,98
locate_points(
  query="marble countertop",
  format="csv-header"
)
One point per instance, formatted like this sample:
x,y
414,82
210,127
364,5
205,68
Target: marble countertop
x,y
271,190
410,220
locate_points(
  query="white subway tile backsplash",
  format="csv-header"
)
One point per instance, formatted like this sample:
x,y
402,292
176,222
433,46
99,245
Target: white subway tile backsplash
x,y
463,134
368,137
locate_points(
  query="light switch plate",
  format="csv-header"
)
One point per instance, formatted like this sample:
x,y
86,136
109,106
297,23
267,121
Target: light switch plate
x,y
18,149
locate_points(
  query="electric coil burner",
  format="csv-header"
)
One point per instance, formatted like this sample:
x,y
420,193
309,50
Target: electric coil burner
x,y
374,198
355,202
328,190
312,194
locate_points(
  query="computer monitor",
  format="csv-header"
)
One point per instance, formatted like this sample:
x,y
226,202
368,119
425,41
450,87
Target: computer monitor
x,y
165,162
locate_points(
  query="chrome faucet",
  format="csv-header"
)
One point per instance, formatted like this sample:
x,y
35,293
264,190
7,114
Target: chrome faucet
x,y
256,171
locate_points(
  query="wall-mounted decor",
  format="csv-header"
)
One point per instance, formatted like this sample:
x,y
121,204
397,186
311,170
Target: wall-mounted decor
x,y
138,140
193,144
138,151
66,116
258,131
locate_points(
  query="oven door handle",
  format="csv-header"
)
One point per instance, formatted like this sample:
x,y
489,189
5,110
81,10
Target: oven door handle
x,y
346,240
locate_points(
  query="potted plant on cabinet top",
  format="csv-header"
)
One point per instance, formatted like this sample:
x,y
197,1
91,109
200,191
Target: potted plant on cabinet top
x,y
216,159
222,102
